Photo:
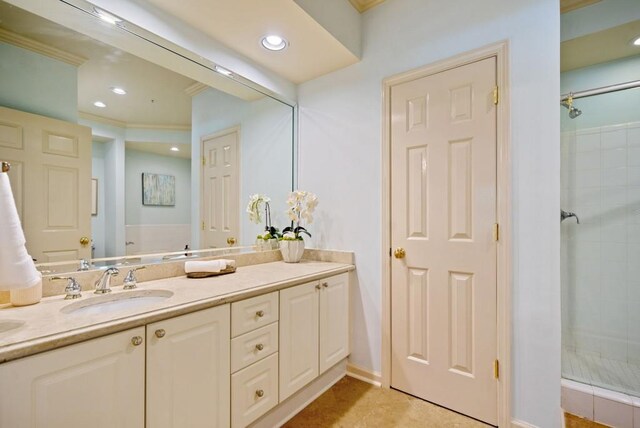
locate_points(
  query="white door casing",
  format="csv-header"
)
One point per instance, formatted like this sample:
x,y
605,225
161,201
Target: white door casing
x,y
220,188
443,211
51,182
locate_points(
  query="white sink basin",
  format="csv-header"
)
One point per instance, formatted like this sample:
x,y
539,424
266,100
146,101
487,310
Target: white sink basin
x,y
117,302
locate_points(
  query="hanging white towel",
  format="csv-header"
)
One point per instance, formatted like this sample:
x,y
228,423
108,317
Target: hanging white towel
x,y
208,265
17,269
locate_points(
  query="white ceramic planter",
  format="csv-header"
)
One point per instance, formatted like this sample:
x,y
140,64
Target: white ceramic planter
x,y
26,296
292,251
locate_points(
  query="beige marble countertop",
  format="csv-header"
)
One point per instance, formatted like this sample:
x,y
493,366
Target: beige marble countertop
x,y
43,326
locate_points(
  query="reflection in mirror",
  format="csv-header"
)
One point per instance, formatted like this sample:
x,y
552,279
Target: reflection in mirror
x,y
174,159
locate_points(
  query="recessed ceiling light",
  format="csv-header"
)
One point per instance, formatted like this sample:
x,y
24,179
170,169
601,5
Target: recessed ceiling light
x,y
175,149
636,41
274,43
223,70
99,104
118,91
107,17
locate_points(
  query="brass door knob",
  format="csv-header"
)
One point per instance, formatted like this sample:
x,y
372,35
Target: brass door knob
x,y
136,340
399,253
231,241
160,333
84,241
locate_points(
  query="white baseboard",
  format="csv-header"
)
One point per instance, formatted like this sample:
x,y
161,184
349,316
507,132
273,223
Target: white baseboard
x,y
521,424
284,411
374,378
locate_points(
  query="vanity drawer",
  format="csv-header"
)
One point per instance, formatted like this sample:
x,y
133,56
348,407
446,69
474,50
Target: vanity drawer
x,y
253,346
254,391
249,314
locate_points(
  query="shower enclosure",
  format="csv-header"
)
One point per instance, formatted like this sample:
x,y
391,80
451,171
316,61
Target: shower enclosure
x,y
600,184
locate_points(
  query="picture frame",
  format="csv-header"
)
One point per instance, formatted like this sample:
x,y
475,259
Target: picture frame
x,y
158,189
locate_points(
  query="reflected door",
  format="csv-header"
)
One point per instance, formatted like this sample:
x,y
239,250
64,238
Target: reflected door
x,y
51,182
443,172
221,188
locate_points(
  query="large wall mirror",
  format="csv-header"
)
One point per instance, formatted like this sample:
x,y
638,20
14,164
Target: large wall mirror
x,y
114,154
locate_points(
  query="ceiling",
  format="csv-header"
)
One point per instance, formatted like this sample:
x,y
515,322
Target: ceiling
x,y
155,95
364,5
241,24
160,149
603,46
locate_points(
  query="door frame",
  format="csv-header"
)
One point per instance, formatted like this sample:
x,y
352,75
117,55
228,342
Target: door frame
x,y
223,132
504,262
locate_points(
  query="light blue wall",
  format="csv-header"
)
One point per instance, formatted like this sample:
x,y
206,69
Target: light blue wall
x,y
135,212
266,152
38,84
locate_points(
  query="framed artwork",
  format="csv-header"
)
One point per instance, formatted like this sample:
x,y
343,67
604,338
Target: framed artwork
x,y
94,196
158,189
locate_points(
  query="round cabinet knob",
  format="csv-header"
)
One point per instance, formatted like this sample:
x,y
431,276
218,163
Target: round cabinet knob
x,y
160,333
318,287
260,393
399,253
84,241
260,314
325,284
259,346
136,340
231,241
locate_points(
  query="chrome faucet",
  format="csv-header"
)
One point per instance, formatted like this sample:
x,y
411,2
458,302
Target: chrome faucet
x,y
73,289
84,265
130,281
103,285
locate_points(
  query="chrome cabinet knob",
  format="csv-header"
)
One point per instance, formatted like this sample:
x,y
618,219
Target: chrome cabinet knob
x,y
259,346
160,333
260,393
136,340
399,253
260,314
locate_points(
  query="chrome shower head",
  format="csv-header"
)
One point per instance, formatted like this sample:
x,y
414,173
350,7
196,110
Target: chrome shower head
x,y
574,112
568,104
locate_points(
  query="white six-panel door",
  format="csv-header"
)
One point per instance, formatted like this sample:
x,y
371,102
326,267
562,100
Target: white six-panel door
x,y
443,293
51,182
220,189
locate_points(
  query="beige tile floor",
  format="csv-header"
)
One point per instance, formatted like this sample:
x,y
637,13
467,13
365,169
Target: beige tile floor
x,y
355,404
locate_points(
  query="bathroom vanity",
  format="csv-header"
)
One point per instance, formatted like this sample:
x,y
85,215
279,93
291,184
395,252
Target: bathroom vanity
x,y
222,351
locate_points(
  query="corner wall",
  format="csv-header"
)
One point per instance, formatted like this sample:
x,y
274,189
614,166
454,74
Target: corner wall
x,y
340,158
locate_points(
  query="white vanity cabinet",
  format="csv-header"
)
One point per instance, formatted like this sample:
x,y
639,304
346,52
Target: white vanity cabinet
x,y
188,370
97,383
314,331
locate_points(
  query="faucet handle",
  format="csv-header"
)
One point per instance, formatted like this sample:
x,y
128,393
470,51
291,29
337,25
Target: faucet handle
x,y
84,265
130,281
73,288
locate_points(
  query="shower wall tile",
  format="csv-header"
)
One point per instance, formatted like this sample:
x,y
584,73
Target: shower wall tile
x,y
601,279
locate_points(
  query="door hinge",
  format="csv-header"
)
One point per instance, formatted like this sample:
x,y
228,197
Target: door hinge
x,y
202,226
496,232
204,161
495,95
389,252
496,369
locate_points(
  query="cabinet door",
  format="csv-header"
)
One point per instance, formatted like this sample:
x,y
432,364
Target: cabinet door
x,y
188,373
298,337
334,320
97,383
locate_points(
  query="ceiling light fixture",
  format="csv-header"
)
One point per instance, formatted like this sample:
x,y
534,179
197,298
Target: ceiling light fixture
x,y
107,17
274,43
636,41
118,91
99,104
175,149
223,71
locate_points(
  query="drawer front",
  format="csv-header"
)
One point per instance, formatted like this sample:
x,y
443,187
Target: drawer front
x,y
249,314
254,391
253,346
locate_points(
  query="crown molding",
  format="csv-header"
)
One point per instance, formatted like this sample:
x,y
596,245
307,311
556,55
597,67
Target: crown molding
x,y
125,125
41,48
195,89
569,5
364,5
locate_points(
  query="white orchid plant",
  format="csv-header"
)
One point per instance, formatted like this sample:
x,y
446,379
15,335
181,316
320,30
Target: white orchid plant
x,y
254,209
301,207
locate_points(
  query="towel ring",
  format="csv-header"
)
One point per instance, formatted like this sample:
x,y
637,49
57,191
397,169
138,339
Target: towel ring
x,y
6,166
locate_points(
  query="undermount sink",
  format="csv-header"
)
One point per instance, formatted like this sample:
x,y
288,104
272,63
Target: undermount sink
x,y
6,325
117,302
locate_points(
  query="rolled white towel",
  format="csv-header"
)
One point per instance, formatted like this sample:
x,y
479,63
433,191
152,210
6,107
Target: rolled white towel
x,y
208,265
